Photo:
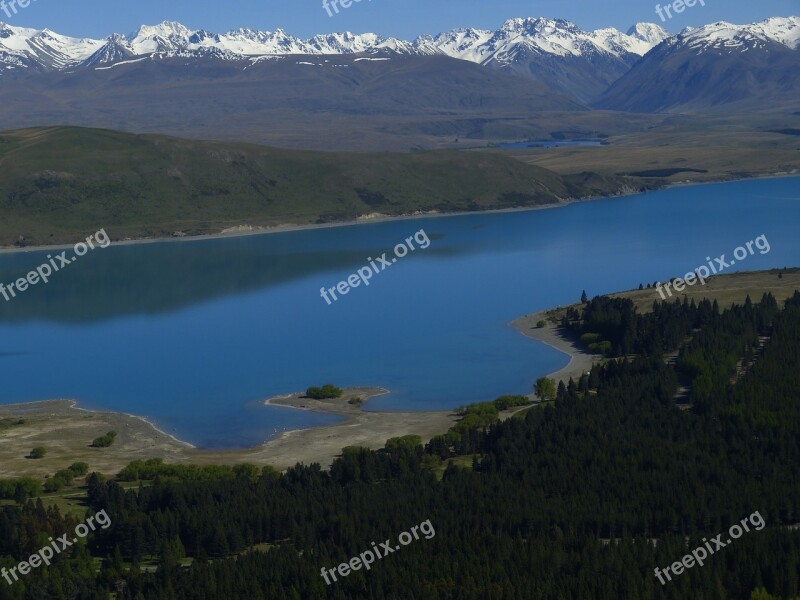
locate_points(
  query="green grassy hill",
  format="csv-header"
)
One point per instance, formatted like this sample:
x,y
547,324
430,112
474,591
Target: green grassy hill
x,y
59,184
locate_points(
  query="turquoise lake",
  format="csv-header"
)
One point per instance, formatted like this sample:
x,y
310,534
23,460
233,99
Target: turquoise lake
x,y
194,334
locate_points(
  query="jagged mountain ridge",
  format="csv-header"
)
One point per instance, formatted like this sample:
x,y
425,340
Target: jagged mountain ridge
x,y
551,36
51,51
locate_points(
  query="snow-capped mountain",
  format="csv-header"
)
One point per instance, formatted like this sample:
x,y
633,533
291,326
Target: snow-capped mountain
x,y
169,36
555,52
648,33
723,35
557,37
716,65
115,50
21,47
554,37
50,51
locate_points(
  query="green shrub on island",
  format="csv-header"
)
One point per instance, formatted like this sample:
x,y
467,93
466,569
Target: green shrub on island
x,y
38,452
104,441
355,401
324,392
541,324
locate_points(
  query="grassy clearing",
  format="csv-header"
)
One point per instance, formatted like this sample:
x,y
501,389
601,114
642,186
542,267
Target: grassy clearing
x,y
465,462
69,502
727,289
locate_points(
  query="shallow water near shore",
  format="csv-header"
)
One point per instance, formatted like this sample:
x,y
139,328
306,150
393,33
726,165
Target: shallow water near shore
x,y
194,335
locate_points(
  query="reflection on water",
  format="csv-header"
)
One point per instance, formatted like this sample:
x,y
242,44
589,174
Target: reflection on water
x,y
195,334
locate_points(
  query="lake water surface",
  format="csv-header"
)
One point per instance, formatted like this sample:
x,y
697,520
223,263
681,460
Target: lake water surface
x,y
549,143
195,334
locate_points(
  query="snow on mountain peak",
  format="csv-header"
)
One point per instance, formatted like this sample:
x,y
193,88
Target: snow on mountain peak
x,y
538,26
555,36
466,44
167,36
551,36
783,30
518,37
165,29
648,32
22,46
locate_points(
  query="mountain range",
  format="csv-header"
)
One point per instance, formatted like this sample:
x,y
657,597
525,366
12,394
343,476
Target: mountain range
x,y
557,52
554,51
23,47
520,45
531,77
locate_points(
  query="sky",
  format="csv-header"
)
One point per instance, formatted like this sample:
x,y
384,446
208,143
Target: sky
x,y
399,18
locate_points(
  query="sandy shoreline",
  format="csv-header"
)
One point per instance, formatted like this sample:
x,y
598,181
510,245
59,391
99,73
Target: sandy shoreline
x,y
73,404
66,432
580,361
66,429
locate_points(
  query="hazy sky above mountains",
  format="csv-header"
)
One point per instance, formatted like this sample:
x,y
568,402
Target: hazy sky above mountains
x,y
400,18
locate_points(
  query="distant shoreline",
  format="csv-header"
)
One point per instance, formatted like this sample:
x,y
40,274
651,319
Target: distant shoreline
x,y
251,230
